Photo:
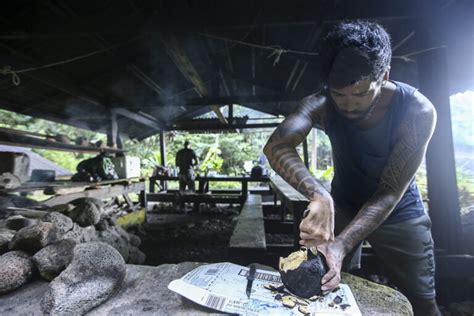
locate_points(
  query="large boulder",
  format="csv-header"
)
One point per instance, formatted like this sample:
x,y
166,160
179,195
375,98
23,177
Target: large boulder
x,y
16,268
86,213
54,258
61,221
33,238
95,273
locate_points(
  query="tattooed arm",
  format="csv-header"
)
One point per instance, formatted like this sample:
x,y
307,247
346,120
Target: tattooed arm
x,y
414,134
281,152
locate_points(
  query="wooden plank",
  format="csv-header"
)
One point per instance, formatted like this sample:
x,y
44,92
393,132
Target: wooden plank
x,y
249,232
98,193
16,139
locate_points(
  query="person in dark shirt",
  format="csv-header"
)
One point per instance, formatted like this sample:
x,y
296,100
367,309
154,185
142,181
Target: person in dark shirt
x,y
379,130
186,159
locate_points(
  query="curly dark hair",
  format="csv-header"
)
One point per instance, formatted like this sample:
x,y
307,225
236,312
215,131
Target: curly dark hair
x,y
354,50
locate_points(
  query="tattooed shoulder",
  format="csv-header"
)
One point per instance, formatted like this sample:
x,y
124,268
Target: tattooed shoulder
x,y
315,106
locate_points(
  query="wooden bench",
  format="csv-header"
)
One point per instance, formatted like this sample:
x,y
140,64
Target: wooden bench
x,y
248,243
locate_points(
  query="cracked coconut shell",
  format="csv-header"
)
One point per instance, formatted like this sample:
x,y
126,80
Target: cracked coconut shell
x,y
301,272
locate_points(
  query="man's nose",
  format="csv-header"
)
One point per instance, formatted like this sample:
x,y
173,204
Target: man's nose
x,y
347,105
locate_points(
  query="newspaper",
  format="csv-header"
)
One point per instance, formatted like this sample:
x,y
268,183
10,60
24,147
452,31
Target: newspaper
x,y
221,286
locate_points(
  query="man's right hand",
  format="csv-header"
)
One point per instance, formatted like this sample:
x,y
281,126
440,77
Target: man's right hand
x,y
317,227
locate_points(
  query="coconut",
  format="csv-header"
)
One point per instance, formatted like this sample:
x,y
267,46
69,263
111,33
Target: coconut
x,y
301,272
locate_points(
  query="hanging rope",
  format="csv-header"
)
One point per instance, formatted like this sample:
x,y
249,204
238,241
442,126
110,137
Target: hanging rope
x,y
7,70
407,58
276,51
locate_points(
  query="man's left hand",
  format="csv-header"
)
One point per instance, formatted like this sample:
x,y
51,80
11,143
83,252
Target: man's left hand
x,y
334,253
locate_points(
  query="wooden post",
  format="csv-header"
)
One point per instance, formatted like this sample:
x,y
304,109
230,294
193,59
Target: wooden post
x,y
444,207
113,131
231,113
163,183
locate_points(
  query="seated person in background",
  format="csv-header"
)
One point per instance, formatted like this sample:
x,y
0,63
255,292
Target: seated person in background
x,y
186,159
257,171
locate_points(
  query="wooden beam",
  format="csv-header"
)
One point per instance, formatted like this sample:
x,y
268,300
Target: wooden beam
x,y
16,139
135,70
185,66
15,107
98,193
244,100
201,127
137,117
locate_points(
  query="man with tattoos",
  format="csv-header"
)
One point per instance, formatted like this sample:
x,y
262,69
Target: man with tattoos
x,y
379,131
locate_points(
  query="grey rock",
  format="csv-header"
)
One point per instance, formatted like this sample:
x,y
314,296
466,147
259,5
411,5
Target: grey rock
x,y
136,256
17,222
134,240
16,268
145,292
103,224
95,273
114,238
6,236
53,259
33,238
75,233
89,234
376,299
122,232
86,214
61,221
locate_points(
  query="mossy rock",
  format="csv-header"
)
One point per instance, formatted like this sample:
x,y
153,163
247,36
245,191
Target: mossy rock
x,y
376,299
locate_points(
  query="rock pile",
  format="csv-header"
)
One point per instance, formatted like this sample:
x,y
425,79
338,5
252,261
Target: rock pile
x,y
81,251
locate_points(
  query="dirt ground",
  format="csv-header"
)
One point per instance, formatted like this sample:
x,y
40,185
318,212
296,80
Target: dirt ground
x,y
170,236
173,237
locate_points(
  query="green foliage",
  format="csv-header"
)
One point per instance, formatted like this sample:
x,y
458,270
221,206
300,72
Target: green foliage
x,y
213,161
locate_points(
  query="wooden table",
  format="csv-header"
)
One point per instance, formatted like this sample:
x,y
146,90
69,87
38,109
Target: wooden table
x,y
291,201
204,181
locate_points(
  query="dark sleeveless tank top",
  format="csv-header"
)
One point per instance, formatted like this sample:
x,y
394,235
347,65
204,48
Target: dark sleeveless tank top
x,y
360,156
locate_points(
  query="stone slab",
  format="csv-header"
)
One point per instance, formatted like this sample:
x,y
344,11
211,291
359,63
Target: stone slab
x,y
145,292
